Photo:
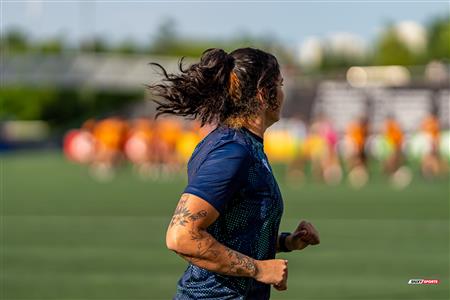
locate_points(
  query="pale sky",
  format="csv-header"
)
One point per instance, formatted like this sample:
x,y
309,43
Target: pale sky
x,y
291,22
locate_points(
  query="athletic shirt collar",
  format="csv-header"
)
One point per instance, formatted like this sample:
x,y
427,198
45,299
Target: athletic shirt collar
x,y
257,137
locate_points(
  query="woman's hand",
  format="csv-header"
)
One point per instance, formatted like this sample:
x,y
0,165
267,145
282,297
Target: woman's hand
x,y
305,234
273,271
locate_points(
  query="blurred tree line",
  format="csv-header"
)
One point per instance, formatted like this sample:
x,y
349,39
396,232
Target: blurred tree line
x,y
62,108
388,48
65,108
167,42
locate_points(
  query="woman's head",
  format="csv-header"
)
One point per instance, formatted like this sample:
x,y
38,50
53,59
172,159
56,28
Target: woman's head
x,y
223,88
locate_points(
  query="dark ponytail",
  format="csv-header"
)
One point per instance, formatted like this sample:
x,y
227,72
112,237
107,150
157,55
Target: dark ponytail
x,y
219,87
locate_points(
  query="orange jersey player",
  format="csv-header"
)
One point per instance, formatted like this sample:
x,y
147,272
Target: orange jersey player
x,y
393,133
432,164
357,133
110,135
170,131
430,126
393,165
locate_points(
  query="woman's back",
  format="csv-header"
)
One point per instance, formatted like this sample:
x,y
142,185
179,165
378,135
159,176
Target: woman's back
x,y
229,170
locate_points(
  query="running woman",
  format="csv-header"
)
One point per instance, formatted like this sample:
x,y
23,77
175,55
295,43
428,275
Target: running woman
x,y
226,224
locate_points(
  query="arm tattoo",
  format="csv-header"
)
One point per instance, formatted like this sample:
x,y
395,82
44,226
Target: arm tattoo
x,y
183,215
241,263
206,246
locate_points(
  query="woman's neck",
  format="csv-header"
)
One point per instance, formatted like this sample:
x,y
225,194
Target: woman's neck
x,y
257,125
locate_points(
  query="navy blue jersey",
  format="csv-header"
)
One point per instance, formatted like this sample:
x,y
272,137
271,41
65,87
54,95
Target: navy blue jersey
x,y
230,170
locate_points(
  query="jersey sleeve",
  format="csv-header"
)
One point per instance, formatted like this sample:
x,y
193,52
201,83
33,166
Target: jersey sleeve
x,y
221,175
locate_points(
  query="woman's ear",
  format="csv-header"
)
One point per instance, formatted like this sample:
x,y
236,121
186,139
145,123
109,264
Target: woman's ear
x,y
261,96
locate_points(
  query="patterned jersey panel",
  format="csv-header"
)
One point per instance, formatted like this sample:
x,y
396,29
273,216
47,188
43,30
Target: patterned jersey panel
x,y
247,196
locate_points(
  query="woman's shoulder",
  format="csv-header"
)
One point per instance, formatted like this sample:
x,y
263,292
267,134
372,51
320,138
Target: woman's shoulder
x,y
230,140
222,149
224,141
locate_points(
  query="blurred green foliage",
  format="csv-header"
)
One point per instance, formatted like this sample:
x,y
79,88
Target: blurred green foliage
x,y
439,39
388,48
61,107
391,50
15,41
169,42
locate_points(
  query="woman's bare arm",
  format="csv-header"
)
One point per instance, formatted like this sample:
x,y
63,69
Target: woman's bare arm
x,y
187,236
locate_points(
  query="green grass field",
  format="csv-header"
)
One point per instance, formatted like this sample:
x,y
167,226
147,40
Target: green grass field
x,y
66,236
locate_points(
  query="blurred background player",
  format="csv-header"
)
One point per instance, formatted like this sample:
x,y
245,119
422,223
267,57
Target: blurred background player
x,y
110,135
355,151
192,134
296,166
138,145
330,168
79,145
432,164
394,163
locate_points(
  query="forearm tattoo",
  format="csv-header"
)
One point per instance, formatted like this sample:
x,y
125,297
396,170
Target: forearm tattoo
x,y
182,217
241,264
207,249
205,244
